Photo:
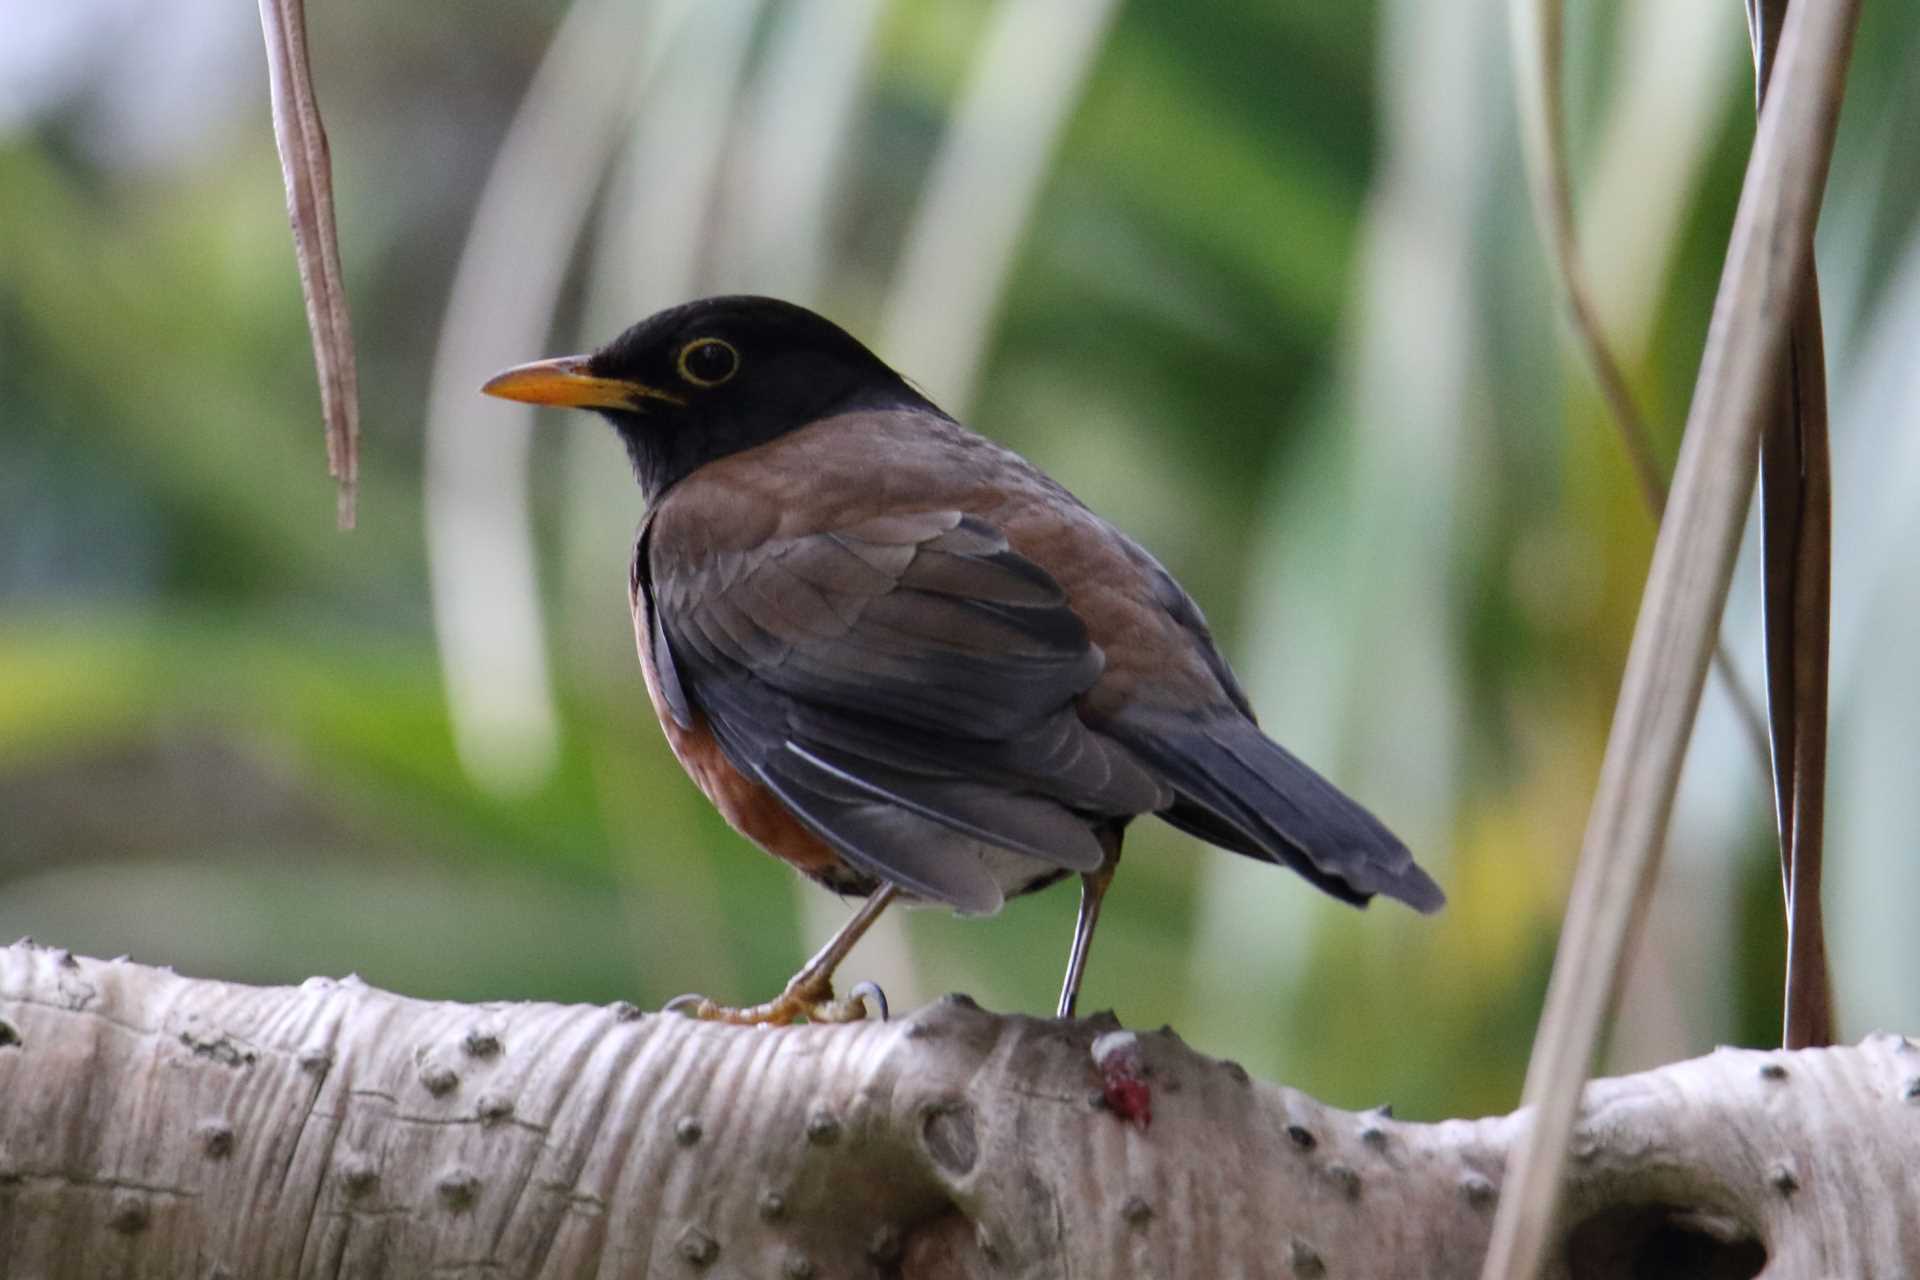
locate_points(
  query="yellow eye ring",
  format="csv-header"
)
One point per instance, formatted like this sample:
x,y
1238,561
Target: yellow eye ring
x,y
708,362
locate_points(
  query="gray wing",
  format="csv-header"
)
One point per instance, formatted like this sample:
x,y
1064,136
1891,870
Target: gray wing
x,y
906,684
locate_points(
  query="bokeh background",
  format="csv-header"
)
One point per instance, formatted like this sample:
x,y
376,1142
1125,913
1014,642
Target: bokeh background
x,y
1259,281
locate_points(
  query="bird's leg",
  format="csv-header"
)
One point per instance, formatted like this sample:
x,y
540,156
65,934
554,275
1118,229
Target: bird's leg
x,y
809,993
1093,888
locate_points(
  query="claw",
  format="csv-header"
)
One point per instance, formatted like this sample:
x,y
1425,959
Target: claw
x,y
809,994
821,1005
805,997
810,999
691,1005
863,991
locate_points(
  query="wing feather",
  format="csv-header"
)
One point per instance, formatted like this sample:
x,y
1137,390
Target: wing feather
x,y
907,685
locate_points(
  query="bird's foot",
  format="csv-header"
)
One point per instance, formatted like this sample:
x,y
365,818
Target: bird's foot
x,y
809,996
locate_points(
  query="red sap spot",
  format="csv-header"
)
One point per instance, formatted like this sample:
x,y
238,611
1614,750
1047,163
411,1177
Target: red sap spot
x,y
1123,1077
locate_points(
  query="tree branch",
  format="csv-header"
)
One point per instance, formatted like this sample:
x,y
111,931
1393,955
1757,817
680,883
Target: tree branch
x,y
175,1127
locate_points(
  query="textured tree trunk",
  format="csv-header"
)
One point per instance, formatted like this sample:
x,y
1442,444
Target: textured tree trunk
x,y
153,1125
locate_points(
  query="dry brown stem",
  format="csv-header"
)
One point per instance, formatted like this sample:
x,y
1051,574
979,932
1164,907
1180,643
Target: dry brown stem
x,y
1796,539
1680,612
307,167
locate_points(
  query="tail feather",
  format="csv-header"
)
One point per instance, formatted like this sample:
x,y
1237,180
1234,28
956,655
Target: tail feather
x,y
1241,790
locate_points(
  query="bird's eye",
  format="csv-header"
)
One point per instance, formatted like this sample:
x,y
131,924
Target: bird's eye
x,y
708,362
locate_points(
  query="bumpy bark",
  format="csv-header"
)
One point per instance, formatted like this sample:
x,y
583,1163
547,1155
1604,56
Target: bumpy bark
x,y
153,1125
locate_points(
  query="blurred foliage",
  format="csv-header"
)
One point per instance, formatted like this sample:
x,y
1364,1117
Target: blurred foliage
x,y
224,736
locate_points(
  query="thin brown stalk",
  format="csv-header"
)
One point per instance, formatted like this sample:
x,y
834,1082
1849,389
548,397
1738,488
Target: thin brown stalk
x,y
1537,54
307,168
1796,507
1686,592
1537,47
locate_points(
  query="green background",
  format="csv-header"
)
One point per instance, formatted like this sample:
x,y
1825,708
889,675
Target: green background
x,y
1277,307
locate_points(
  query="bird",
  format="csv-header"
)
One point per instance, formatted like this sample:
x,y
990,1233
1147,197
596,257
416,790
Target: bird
x,y
899,657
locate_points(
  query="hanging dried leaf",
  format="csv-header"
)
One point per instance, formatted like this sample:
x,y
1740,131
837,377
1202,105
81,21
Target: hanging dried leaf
x,y
307,168
1796,533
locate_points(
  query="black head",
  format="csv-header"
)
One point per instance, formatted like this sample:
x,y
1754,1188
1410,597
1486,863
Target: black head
x,y
709,378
